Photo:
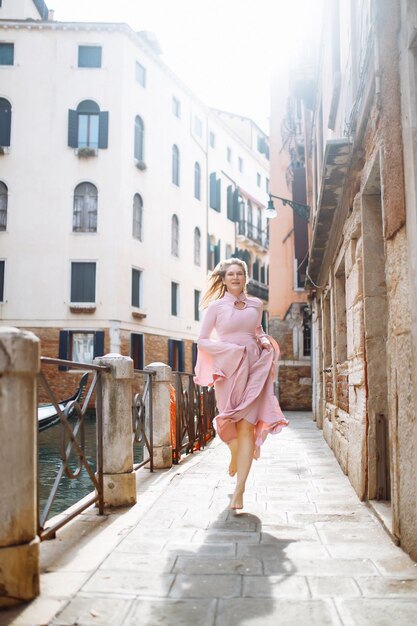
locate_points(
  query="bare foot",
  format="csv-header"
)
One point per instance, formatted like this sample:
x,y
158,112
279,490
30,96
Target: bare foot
x,y
237,501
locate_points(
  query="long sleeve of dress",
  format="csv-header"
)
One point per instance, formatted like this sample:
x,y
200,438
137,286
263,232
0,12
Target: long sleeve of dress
x,y
215,359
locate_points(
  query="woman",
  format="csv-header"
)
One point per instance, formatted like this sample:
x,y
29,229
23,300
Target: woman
x,y
241,365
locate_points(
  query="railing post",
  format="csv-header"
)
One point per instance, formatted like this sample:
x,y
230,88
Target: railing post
x,y
162,448
19,544
119,480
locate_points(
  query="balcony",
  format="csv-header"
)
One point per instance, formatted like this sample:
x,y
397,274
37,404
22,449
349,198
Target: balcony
x,y
252,234
255,288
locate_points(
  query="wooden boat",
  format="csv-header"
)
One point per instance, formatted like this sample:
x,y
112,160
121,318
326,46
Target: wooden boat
x,y
47,413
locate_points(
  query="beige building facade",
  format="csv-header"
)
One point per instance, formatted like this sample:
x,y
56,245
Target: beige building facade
x,y
119,189
359,123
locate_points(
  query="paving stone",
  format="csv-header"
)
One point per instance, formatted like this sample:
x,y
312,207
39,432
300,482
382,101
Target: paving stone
x,y
40,611
275,587
283,549
275,612
140,546
377,612
357,550
206,586
145,583
61,584
179,612
288,532
225,536
277,506
402,566
333,587
211,549
377,586
89,611
322,567
354,534
206,565
140,563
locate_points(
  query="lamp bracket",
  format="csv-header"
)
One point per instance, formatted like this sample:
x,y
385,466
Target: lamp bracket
x,y
302,210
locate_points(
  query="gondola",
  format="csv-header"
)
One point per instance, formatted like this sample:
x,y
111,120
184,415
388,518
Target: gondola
x,y
47,413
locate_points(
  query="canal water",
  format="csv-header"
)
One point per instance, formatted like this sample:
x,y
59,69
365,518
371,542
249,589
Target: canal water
x,y
70,491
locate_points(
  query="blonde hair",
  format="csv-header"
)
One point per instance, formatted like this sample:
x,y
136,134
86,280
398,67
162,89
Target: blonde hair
x,y
216,288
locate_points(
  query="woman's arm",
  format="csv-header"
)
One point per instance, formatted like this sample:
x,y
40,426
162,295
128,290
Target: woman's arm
x,y
207,326
261,334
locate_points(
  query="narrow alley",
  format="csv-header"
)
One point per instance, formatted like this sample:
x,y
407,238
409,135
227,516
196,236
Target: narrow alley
x,y
304,551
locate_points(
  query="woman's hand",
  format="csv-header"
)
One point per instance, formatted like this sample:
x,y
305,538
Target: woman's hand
x,y
266,344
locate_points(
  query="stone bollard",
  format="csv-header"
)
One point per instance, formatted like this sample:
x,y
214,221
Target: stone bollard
x,y
162,448
19,544
119,479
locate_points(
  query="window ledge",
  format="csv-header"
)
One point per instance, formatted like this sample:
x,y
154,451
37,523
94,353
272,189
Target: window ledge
x,y
82,308
139,315
85,153
141,165
4,149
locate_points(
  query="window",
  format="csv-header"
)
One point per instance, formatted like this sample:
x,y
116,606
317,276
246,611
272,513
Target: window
x,y
197,181
89,56
240,164
229,251
137,228
84,217
215,192
213,252
5,121
2,264
233,203
6,53
3,205
136,350
139,132
175,305
136,287
175,236
255,270
83,282
80,346
267,185
88,126
212,139
197,305
198,126
229,154
197,246
176,107
175,165
258,179
140,74
250,219
176,355
306,332
259,225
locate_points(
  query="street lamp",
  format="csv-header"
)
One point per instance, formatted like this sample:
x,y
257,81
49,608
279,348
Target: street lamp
x,y
303,210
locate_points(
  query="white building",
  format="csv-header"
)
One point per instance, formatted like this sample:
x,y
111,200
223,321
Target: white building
x,y
107,161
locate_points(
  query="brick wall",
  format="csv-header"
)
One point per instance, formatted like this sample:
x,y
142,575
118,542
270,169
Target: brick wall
x,y
294,394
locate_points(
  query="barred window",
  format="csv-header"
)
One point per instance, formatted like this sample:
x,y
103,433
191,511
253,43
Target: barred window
x,y
85,208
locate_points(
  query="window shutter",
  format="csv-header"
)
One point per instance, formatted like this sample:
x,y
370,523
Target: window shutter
x,y
236,210
181,356
171,352
213,190
229,202
63,348
218,194
5,122
194,354
72,129
103,130
98,343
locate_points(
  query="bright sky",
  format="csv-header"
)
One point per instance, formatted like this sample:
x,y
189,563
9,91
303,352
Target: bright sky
x,y
224,50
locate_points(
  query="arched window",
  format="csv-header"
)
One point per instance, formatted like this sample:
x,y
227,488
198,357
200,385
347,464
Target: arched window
x,y
137,229
88,126
3,205
175,165
85,208
197,246
139,134
255,270
263,277
175,236
197,181
5,122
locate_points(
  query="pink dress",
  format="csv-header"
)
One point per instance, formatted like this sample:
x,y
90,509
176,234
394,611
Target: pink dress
x,y
242,373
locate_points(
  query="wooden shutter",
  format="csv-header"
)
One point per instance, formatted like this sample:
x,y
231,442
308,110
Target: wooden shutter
x,y
180,345
103,129
5,122
229,203
171,353
98,343
218,194
63,348
72,129
213,190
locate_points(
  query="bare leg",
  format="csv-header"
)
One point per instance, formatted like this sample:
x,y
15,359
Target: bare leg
x,y
245,445
233,461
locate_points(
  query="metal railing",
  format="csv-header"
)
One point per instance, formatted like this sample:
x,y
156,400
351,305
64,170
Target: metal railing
x,y
249,230
72,444
194,413
142,418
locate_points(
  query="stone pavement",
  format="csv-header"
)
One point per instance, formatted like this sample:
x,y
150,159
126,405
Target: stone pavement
x,y
305,551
